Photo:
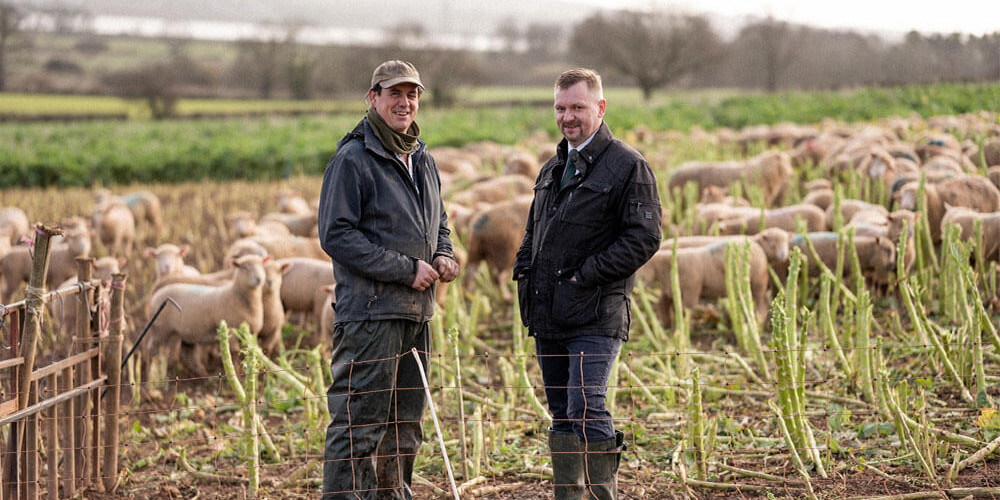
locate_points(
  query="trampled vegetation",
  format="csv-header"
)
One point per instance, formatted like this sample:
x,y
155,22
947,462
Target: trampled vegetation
x,y
846,390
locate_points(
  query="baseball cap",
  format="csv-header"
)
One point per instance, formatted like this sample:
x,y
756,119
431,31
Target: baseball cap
x,y
395,72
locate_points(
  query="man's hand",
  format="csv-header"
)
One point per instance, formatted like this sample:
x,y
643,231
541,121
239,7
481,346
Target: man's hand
x,y
426,275
446,267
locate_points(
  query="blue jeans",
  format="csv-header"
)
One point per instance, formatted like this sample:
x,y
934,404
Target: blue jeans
x,y
575,372
376,404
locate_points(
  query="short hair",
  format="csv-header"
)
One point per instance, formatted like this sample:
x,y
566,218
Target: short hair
x,y
571,77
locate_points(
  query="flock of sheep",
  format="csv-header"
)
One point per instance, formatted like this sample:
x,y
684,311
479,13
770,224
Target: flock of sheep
x,y
274,270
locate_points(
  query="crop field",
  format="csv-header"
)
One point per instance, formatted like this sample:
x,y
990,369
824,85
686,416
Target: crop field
x,y
847,390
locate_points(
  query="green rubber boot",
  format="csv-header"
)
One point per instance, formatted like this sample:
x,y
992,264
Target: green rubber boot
x,y
602,461
567,465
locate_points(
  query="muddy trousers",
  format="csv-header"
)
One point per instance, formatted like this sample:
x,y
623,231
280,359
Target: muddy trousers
x,y
376,403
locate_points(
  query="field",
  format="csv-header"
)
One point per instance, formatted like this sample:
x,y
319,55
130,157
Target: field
x,y
845,392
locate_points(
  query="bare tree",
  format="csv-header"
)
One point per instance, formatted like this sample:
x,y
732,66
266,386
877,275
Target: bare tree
x,y
653,48
775,43
11,17
154,84
544,39
510,33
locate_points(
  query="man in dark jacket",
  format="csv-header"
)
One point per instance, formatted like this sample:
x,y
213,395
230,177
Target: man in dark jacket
x,y
594,221
382,221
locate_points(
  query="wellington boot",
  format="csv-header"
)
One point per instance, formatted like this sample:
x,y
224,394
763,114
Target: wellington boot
x,y
567,465
602,461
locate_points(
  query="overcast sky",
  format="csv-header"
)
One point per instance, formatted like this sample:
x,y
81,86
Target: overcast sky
x,y
974,17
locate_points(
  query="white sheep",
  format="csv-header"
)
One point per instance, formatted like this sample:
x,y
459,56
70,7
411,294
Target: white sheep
x,y
200,308
302,280
282,247
297,224
115,226
289,202
169,261
14,223
244,224
15,267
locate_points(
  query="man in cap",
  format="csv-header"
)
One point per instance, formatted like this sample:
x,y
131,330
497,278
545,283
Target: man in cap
x,y
382,221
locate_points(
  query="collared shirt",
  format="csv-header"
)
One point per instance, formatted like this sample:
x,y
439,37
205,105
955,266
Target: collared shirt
x,y
583,144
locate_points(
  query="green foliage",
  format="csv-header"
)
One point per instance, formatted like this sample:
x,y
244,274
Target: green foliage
x,y
134,151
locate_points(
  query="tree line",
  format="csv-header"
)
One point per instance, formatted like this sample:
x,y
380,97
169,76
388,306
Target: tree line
x,y
650,50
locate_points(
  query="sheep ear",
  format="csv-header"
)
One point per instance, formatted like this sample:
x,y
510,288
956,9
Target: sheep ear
x,y
287,266
267,258
122,261
184,249
149,252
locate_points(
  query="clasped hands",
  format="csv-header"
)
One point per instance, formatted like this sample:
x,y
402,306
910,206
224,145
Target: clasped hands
x,y
444,269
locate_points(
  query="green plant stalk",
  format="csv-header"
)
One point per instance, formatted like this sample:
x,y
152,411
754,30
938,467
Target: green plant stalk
x,y
740,301
792,451
907,437
696,423
612,394
923,325
862,345
522,368
791,289
784,369
478,443
643,386
732,302
690,196
507,381
948,290
246,395
828,328
852,253
317,368
901,246
926,242
251,349
681,319
453,339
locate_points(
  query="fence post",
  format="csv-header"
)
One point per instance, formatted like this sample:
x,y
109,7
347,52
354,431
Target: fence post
x,y
85,273
67,429
52,440
113,367
34,303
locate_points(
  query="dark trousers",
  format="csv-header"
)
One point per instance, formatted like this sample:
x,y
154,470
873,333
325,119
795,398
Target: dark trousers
x,y
575,372
376,404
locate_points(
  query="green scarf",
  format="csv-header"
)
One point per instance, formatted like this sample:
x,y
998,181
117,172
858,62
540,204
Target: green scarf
x,y
396,142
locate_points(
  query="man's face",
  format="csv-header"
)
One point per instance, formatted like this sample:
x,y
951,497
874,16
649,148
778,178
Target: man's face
x,y
578,112
397,105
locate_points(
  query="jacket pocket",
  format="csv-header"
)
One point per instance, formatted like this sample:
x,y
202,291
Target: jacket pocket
x,y
587,205
524,297
575,304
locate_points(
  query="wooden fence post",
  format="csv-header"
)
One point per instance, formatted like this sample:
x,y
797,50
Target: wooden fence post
x,y
52,440
84,335
113,367
34,310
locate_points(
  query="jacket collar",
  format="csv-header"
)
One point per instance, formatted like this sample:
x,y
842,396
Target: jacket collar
x,y
590,153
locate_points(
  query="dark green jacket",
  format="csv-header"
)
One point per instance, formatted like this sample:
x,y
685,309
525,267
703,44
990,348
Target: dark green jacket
x,y
374,223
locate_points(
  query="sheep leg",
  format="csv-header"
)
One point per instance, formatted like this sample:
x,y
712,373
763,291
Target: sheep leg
x,y
502,277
